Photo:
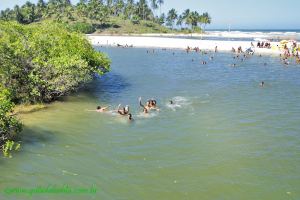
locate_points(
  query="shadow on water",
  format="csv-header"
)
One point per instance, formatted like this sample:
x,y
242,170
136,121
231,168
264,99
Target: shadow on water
x,y
35,136
31,138
106,87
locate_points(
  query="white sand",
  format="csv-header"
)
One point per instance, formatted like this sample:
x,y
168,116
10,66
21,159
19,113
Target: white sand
x,y
177,43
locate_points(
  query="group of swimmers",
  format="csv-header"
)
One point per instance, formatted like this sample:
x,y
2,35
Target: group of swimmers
x,y
151,104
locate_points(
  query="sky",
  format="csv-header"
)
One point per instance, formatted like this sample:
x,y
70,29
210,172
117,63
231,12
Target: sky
x,y
238,14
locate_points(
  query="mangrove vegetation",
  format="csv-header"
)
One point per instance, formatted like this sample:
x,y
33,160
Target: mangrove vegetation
x,y
39,63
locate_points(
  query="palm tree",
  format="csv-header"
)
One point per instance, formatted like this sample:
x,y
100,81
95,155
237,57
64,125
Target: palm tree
x,y
81,8
129,9
185,15
179,21
41,7
97,11
172,16
154,5
18,15
205,19
161,19
193,19
142,8
28,11
160,2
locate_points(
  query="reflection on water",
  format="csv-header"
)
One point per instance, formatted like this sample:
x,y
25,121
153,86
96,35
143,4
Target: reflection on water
x,y
224,137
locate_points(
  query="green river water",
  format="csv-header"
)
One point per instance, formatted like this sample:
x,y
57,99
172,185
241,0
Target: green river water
x,y
226,138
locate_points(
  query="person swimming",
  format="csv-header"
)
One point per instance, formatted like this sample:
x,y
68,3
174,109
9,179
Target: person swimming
x,y
145,108
100,109
124,110
150,105
153,104
130,117
171,102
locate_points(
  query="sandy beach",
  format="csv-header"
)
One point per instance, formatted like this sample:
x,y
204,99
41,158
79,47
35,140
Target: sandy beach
x,y
177,43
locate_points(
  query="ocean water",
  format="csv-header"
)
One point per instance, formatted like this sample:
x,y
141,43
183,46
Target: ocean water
x,y
248,35
224,138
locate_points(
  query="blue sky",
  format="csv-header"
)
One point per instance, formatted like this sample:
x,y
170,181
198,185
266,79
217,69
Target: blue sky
x,y
243,14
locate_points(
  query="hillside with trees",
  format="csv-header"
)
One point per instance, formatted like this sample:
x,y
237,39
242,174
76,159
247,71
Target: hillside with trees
x,y
110,16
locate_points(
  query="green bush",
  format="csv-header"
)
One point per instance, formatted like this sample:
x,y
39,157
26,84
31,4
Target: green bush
x,y
135,20
40,62
9,125
82,27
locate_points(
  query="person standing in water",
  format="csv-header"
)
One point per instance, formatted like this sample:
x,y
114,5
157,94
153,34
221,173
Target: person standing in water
x,y
262,84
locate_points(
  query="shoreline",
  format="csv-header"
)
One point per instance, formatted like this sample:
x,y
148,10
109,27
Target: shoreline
x,y
178,43
217,34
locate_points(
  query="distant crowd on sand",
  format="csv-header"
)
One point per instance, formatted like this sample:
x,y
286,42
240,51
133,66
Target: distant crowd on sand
x,y
290,50
263,45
